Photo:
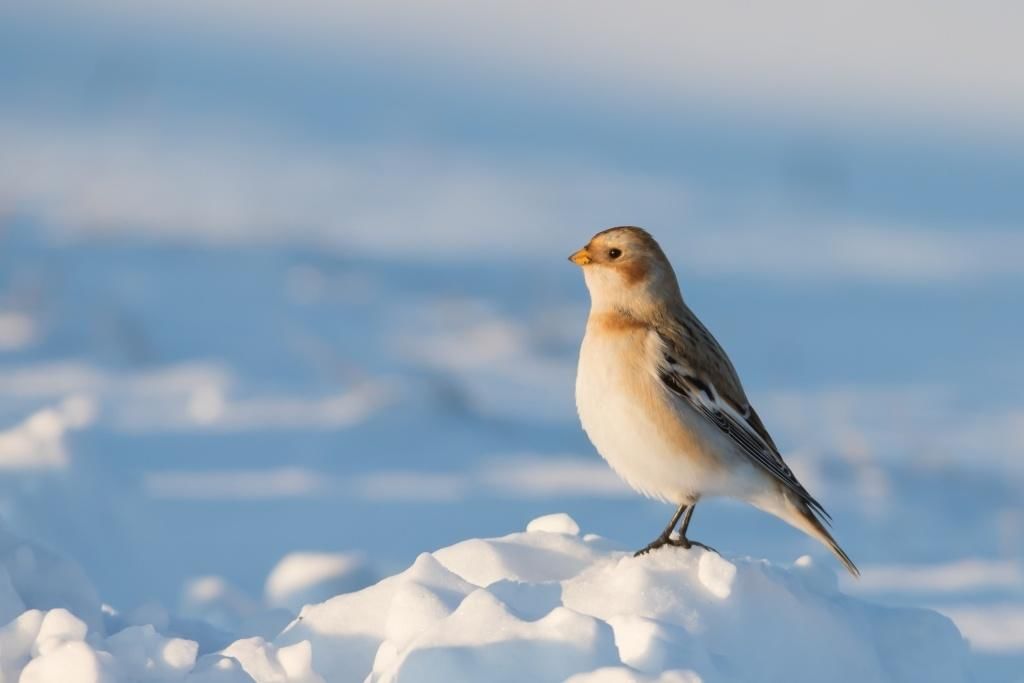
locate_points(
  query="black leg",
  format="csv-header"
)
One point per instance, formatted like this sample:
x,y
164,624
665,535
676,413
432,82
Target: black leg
x,y
683,541
686,512
666,535
686,521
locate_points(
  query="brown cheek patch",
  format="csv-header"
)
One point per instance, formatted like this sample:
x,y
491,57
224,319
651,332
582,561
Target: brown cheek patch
x,y
633,272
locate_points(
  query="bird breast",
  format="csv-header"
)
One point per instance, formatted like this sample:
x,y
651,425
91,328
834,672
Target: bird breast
x,y
633,423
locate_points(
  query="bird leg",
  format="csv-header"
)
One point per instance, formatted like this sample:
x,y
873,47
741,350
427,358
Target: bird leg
x,y
686,512
666,535
683,541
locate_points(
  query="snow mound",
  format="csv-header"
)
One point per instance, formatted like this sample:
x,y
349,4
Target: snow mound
x,y
58,647
550,605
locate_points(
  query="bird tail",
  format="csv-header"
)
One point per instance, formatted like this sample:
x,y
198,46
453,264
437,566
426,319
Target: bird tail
x,y
798,514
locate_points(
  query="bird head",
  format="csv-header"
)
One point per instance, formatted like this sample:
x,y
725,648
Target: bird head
x,y
625,269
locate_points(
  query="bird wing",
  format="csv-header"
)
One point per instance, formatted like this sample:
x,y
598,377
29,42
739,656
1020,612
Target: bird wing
x,y
694,368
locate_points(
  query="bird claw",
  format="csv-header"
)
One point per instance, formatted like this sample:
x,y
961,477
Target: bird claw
x,y
653,545
684,543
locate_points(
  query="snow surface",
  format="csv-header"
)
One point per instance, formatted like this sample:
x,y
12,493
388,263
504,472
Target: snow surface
x,y
546,604
301,578
218,437
280,312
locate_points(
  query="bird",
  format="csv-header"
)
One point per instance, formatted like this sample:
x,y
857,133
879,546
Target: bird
x,y
662,403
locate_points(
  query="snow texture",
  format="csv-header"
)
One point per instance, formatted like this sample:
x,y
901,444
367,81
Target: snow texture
x,y
549,605
546,604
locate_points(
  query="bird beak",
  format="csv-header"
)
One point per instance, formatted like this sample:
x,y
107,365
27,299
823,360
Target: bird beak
x,y
581,257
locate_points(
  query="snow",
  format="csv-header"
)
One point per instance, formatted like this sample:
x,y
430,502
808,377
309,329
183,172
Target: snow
x,y
277,320
547,604
57,646
265,663
145,655
716,574
16,330
38,442
218,669
35,578
72,662
305,577
232,474
559,523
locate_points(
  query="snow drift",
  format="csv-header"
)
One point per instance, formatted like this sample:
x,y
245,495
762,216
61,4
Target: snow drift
x,y
550,604
547,604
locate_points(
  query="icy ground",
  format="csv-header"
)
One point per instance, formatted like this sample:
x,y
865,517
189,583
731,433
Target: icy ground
x,y
217,436
547,604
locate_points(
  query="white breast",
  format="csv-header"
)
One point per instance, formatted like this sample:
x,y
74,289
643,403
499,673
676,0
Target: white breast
x,y
613,371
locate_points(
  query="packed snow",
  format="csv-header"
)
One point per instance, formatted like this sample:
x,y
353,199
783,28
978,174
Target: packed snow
x,y
546,604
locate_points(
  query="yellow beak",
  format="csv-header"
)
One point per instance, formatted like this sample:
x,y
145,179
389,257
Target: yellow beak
x,y
581,257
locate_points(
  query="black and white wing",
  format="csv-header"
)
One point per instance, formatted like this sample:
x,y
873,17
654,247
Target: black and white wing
x,y
713,390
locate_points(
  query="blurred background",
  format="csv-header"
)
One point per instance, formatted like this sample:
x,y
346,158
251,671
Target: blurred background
x,y
281,278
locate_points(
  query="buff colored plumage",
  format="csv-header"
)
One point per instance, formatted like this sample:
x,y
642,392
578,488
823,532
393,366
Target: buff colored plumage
x,y
662,403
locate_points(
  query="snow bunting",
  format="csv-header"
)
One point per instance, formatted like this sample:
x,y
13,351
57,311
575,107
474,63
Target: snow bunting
x,y
662,403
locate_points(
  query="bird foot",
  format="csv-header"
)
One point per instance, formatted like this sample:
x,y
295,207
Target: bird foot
x,y
687,544
684,543
653,545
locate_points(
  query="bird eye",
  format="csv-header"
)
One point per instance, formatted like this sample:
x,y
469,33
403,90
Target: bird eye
x,y
614,253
